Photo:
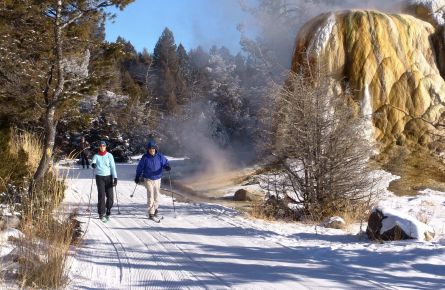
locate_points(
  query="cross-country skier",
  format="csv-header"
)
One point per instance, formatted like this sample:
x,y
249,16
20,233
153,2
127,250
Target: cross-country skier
x,y
106,178
149,171
84,152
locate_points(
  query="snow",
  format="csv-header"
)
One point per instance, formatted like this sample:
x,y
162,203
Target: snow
x,y
431,5
138,157
209,246
5,235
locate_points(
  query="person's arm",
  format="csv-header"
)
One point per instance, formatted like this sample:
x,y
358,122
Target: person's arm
x,y
165,163
93,162
139,169
113,166
141,166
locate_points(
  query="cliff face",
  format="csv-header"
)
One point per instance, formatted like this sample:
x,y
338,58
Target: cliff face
x,y
389,62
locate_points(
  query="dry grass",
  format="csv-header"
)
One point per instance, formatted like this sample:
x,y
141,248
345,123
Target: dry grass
x,y
29,143
274,209
44,251
418,169
47,236
425,211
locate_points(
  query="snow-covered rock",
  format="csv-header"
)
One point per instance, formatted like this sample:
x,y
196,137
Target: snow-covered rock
x,y
388,224
4,235
242,195
334,222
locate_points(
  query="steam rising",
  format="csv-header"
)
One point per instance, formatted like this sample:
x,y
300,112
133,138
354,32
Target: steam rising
x,y
276,24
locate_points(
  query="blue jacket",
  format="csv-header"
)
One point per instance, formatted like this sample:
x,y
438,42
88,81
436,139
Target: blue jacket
x,y
151,166
105,165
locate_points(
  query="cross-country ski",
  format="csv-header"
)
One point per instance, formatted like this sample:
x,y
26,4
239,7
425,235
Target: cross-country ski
x,y
155,219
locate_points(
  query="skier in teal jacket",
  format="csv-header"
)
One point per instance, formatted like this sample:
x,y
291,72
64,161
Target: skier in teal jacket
x,y
106,178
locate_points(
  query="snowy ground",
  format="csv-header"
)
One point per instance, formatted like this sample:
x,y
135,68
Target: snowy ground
x,y
212,247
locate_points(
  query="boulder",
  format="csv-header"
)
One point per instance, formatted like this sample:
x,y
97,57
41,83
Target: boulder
x,y
242,195
390,225
334,222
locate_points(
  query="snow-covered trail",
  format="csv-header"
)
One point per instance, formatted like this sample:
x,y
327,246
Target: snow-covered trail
x,y
212,247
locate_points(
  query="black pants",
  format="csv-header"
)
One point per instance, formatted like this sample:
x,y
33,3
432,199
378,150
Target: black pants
x,y
104,194
84,160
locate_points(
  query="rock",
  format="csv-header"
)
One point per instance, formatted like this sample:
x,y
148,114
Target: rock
x,y
10,221
334,222
242,195
393,59
374,225
390,225
428,10
10,234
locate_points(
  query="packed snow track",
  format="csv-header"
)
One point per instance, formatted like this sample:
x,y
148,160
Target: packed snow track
x,y
208,246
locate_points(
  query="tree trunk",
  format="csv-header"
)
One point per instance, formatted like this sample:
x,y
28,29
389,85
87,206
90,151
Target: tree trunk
x,y
48,147
51,103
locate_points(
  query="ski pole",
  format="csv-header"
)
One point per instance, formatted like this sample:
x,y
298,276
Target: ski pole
x,y
91,190
131,195
134,190
171,190
117,200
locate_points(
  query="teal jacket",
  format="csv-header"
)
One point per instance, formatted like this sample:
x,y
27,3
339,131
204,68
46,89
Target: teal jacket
x,y
105,165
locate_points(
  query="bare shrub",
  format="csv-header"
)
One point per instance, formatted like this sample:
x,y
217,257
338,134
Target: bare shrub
x,y
321,146
44,251
47,236
274,209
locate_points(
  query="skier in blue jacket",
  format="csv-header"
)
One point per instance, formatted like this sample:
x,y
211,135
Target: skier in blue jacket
x,y
106,178
149,171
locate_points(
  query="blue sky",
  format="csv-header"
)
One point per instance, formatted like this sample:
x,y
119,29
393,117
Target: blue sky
x,y
193,23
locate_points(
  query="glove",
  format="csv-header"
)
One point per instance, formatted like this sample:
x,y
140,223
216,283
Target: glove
x,y
136,179
167,168
115,182
93,165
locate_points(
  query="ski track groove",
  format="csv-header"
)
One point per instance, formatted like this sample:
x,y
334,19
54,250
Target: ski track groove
x,y
145,274
191,263
231,222
160,260
113,243
168,246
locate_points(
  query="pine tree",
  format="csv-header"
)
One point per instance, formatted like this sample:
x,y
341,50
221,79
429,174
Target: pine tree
x,y
165,64
52,39
200,80
183,75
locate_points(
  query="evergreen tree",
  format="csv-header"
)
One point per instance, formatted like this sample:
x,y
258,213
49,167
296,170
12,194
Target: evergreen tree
x,y
165,65
183,75
200,80
52,39
226,94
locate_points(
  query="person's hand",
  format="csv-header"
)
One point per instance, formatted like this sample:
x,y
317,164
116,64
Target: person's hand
x,y
136,179
115,182
93,165
167,168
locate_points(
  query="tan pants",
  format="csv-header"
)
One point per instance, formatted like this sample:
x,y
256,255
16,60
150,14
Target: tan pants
x,y
153,190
